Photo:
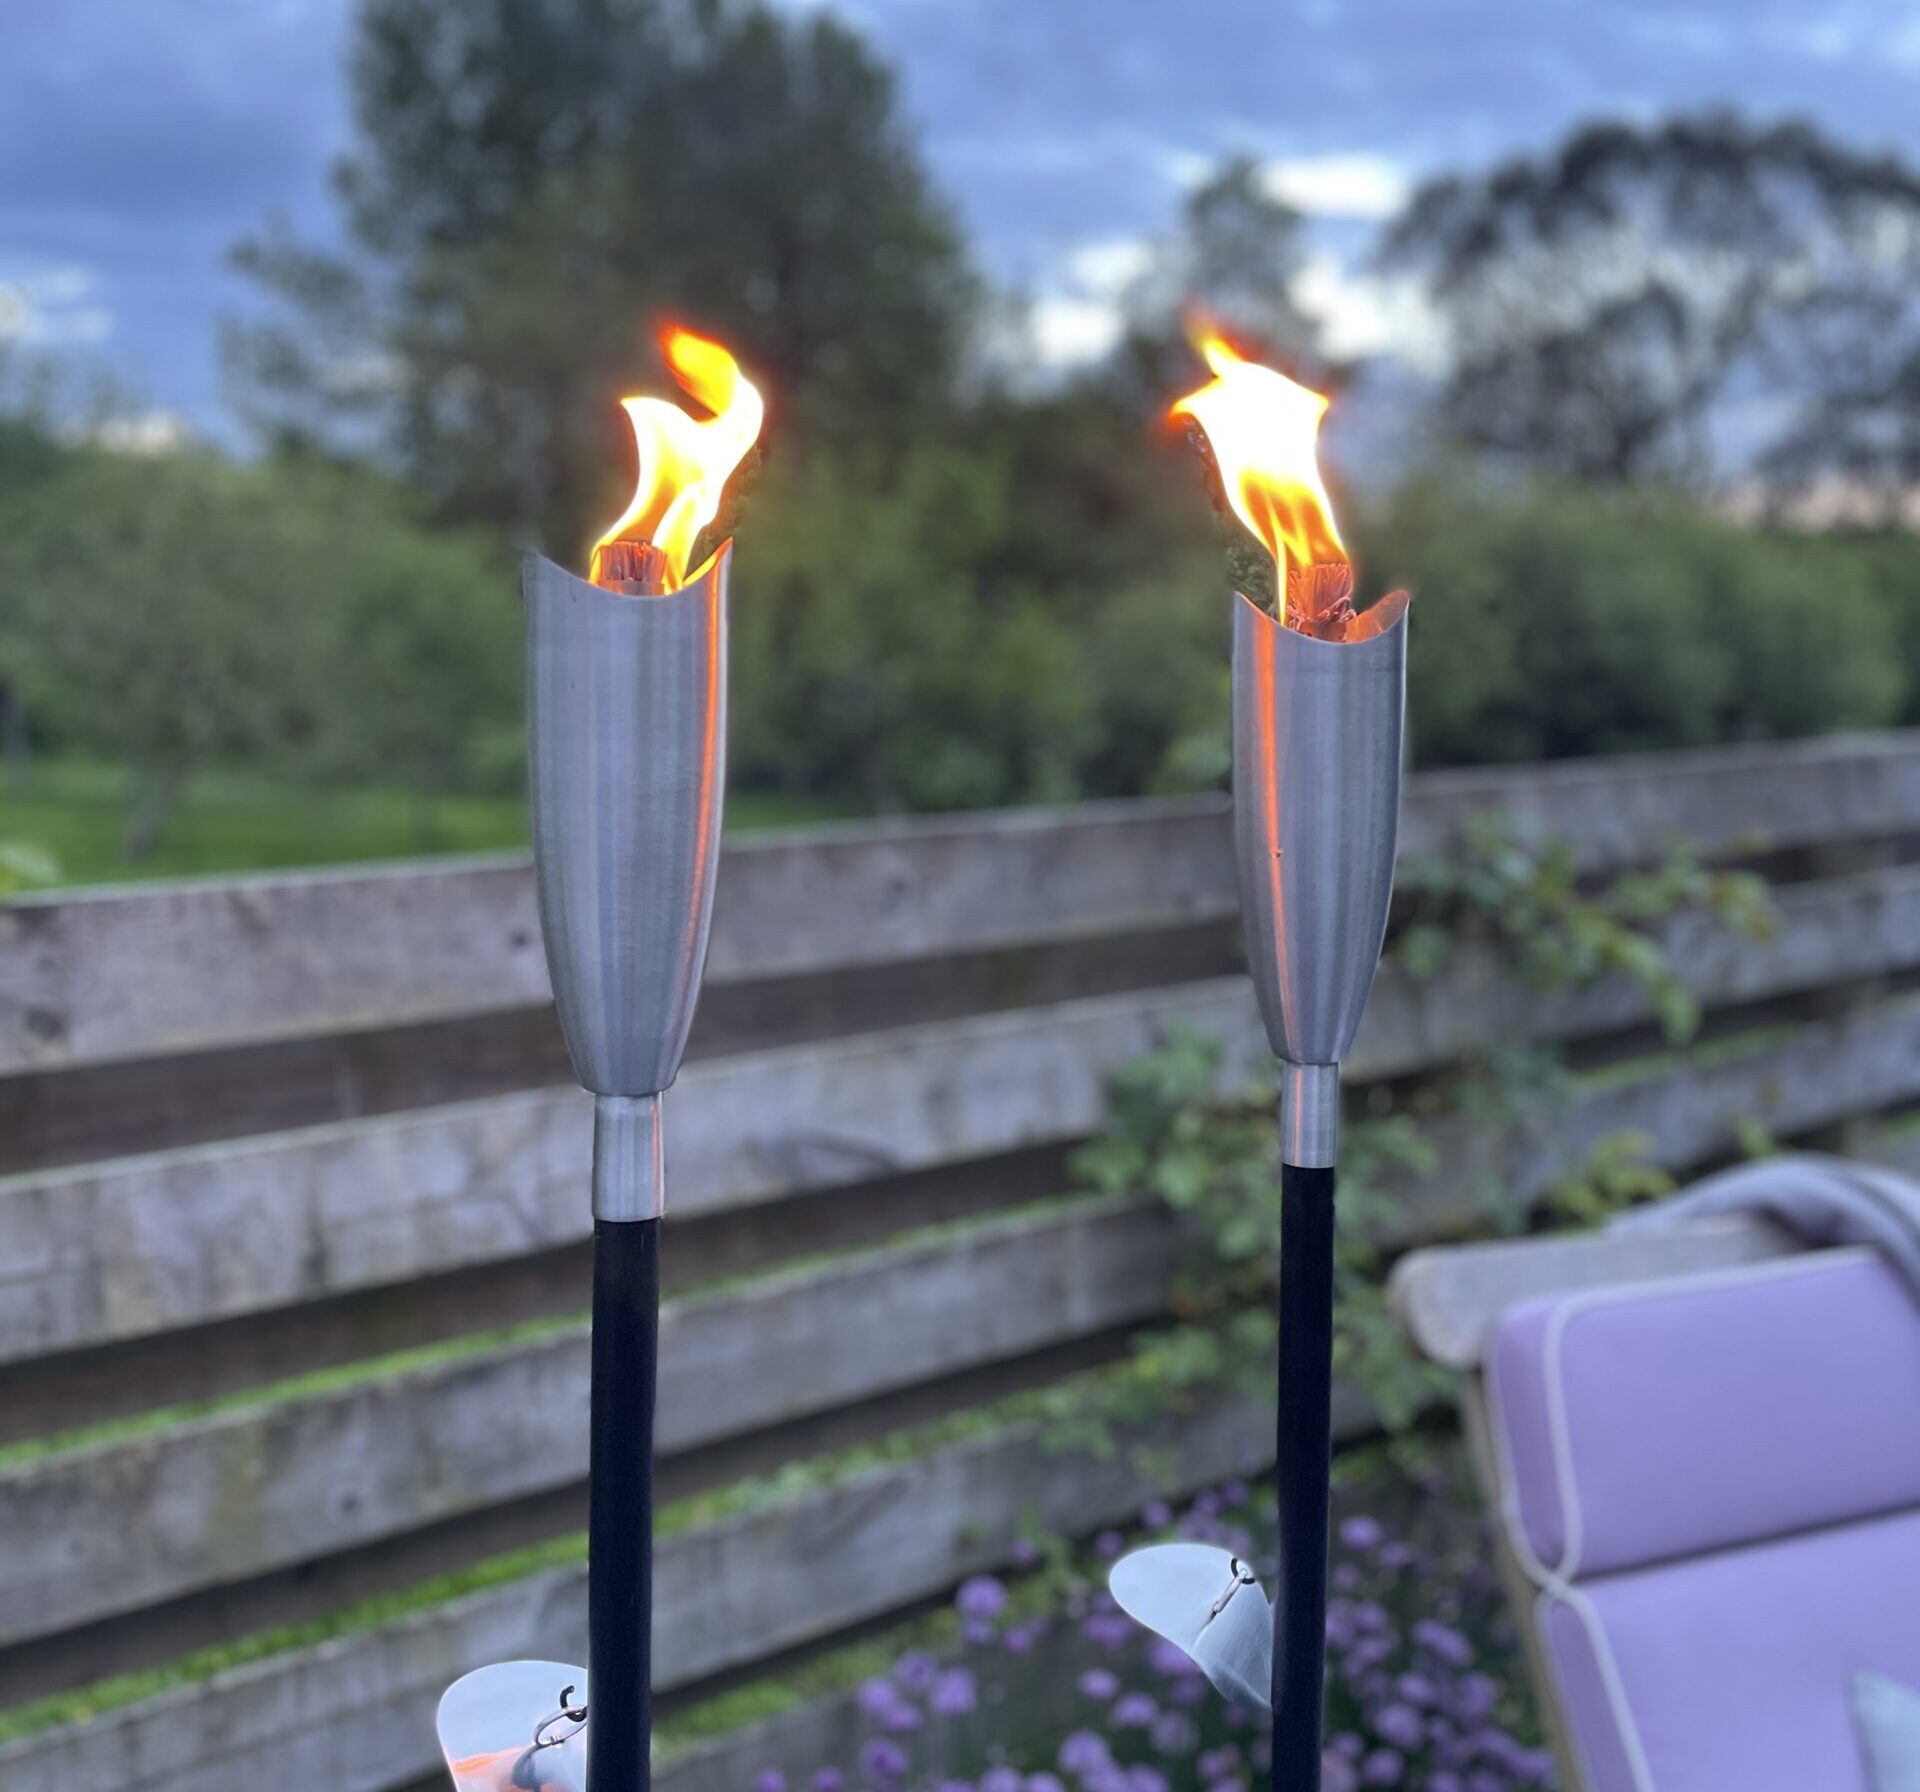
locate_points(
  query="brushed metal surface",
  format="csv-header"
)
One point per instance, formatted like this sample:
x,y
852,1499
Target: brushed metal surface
x,y
1317,729
629,1159
1310,1115
626,752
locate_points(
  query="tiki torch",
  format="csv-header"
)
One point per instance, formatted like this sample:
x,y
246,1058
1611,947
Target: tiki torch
x,y
626,751
1318,701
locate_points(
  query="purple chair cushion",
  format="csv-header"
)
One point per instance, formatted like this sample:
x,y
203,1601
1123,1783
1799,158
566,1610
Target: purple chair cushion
x,y
1731,1673
1648,1423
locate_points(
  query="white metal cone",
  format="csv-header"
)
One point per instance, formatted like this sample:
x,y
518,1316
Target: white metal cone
x,y
502,1729
1205,1601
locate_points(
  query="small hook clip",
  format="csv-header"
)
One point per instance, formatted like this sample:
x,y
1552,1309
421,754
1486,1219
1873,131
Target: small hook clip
x,y
526,1777
1242,1577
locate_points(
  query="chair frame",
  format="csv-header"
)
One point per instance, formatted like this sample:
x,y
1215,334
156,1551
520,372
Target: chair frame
x,y
1448,1299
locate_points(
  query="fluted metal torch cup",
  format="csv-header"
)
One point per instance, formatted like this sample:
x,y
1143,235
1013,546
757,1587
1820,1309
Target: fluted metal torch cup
x,y
1317,729
626,749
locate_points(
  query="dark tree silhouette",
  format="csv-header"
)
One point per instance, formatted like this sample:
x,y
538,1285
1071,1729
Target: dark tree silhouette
x,y
1665,301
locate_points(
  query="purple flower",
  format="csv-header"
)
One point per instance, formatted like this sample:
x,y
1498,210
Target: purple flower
x,y
877,1697
1111,1630
1400,1726
1132,1711
1417,1689
1396,1557
1108,1545
954,1786
916,1670
770,1779
1026,1552
1346,1577
1044,1782
1362,1534
1207,1504
1173,1734
1443,1642
1099,1684
1382,1768
1336,1774
981,1597
1474,1696
883,1760
1218,1763
1234,1492
1371,1617
979,1631
1189,1690
901,1717
829,1779
1156,1515
1142,1778
1082,1752
1348,1746
1169,1659
1446,1780
1000,1779
952,1693
1018,1639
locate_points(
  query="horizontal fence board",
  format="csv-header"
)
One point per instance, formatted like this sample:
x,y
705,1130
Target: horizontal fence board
x,y
181,1238
95,1531
132,973
261,1488
356,1714
141,1245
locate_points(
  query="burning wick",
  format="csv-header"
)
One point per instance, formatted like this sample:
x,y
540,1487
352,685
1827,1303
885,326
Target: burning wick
x,y
684,465
1258,430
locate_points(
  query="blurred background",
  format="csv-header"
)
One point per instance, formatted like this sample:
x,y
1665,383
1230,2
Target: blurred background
x,y
315,313
303,346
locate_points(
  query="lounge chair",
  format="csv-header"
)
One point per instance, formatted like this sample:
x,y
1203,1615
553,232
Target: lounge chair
x,y
1703,1445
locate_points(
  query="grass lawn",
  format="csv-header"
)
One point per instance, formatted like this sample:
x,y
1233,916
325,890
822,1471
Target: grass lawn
x,y
73,811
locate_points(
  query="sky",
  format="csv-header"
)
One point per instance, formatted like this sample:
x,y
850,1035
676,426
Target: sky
x,y
138,140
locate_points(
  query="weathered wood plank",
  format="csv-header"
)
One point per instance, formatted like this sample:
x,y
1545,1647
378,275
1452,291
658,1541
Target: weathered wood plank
x,y
179,1238
121,974
141,1245
262,1488
95,1531
356,1714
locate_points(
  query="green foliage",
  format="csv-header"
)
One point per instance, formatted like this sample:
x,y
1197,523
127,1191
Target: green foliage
x,y
534,187
1553,931
1553,623
25,867
177,612
1179,1130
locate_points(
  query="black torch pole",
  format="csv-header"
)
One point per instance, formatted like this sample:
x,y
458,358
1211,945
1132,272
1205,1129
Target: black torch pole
x,y
1304,1445
626,1339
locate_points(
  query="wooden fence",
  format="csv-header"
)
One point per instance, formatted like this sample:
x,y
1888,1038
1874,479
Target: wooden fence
x,y
293,1218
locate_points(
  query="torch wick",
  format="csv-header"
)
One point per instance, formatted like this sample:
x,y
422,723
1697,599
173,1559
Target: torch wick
x,y
632,567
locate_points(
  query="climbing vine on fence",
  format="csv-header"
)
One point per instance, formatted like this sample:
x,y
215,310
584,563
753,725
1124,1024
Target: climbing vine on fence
x,y
1211,1157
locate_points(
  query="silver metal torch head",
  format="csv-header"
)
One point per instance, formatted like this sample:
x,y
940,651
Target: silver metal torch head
x,y
626,750
1317,729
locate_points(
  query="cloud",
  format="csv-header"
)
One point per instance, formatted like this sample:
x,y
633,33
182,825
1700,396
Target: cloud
x,y
142,433
55,307
1363,315
1106,268
1366,187
1070,331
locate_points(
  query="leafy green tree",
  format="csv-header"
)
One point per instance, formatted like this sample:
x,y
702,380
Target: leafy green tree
x,y
178,613
536,182
1618,305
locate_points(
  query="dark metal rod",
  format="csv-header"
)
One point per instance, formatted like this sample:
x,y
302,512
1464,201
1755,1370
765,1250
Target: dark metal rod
x,y
1304,1443
626,1340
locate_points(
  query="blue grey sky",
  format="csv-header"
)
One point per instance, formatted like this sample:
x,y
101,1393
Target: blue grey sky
x,y
139,138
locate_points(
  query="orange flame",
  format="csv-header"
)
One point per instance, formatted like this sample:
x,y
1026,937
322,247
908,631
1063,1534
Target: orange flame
x,y
1262,427
686,461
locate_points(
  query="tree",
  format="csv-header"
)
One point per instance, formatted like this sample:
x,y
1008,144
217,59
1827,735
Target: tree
x,y
178,612
1646,302
536,181
1234,257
